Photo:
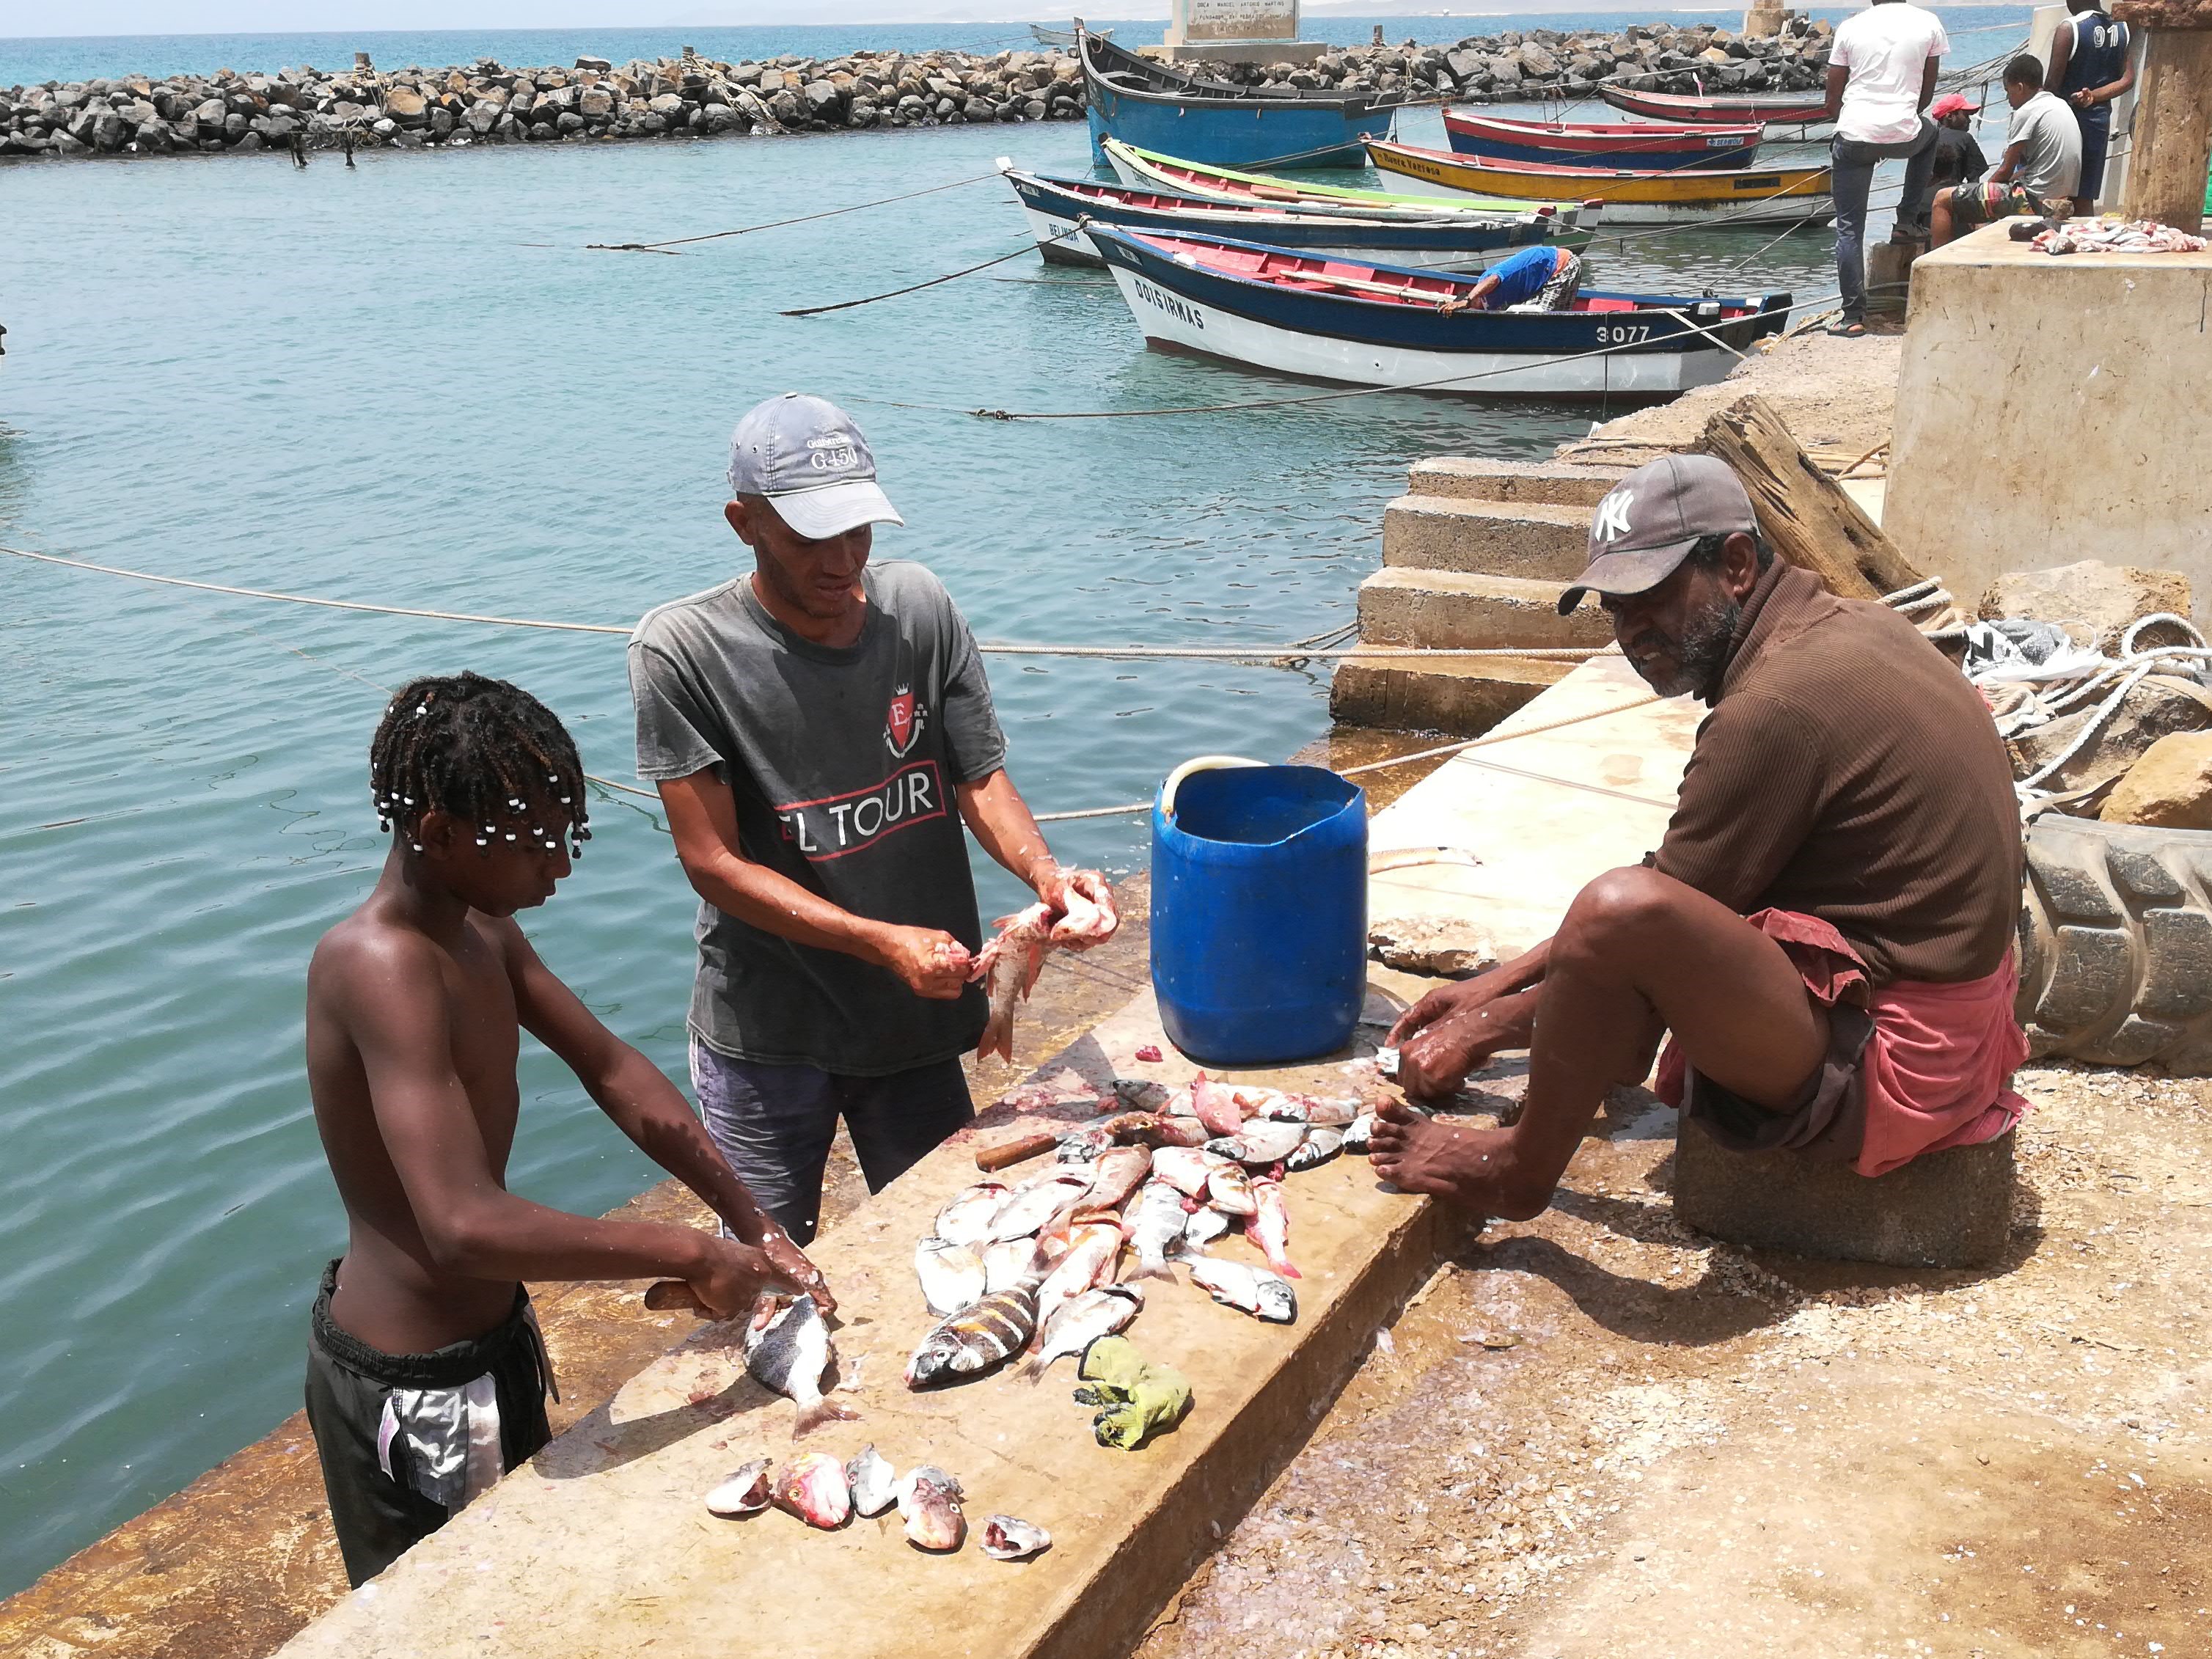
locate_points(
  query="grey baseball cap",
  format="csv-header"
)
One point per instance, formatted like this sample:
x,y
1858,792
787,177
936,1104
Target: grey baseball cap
x,y
807,457
1648,521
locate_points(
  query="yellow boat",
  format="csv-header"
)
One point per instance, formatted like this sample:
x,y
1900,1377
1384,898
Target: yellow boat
x,y
1767,196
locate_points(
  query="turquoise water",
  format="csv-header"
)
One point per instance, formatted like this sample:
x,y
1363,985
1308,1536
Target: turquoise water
x,y
406,383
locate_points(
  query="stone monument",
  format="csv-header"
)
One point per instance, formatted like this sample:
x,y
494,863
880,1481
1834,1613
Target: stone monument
x,y
1237,32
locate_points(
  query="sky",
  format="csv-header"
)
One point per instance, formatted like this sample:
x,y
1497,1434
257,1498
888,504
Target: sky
x,y
41,17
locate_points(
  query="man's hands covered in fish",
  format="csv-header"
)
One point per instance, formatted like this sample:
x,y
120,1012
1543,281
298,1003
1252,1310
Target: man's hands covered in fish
x,y
928,962
1456,1029
1080,904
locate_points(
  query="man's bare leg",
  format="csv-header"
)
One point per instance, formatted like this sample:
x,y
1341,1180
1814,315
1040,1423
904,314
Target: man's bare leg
x,y
1637,950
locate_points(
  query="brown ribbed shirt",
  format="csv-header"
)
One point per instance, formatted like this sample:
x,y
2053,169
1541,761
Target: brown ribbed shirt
x,y
1848,771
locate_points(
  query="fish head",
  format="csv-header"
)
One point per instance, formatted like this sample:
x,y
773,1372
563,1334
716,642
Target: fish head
x,y
1278,1301
932,1362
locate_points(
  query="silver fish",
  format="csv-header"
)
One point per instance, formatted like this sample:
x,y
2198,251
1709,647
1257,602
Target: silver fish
x,y
1206,1224
1320,1146
1312,1108
1094,1251
1084,1145
1006,1539
1156,1220
1229,1189
1139,1094
1003,1265
787,1348
1035,1202
1251,1290
1114,1176
746,1492
929,1503
952,1275
1081,1321
977,1339
1269,1229
966,1220
1262,1140
873,1481
1187,1169
1359,1133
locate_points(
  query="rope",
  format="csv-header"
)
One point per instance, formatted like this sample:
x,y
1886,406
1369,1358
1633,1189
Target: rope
x,y
773,224
1028,242
1296,650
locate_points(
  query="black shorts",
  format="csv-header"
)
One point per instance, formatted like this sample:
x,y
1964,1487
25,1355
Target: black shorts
x,y
406,1440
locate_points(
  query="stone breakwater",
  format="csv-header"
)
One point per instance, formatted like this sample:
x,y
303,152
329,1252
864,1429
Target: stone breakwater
x,y
698,97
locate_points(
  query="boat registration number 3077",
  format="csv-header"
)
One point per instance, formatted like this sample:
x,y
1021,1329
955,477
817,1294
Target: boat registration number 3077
x,y
1165,302
1623,333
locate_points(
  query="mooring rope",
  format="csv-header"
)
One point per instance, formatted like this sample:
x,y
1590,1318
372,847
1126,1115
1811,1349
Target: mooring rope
x,y
773,224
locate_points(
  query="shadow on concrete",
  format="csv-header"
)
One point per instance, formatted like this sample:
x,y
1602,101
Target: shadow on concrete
x,y
597,1443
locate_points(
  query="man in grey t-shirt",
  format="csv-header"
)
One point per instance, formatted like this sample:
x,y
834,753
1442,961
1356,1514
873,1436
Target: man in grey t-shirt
x,y
2042,161
819,729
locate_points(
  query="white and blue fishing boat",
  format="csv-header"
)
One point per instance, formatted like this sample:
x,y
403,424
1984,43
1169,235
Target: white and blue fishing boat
x,y
1159,107
1057,208
1380,325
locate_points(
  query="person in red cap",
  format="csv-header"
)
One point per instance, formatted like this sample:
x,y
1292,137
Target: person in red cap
x,y
1958,159
1825,933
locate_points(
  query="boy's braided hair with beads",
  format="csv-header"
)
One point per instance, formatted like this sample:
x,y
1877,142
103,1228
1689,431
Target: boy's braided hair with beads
x,y
485,751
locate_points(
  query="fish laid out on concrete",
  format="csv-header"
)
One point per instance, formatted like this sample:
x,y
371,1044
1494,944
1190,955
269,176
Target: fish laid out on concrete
x,y
1142,1094
1084,1145
1359,1134
1006,1539
1093,1252
1320,1144
812,1488
929,1503
1035,1204
787,1348
979,1338
1155,1221
1206,1224
1215,1105
1188,1168
1332,1112
1114,1176
746,1492
1004,1264
874,1482
1081,1321
1262,1140
1229,1189
967,1216
1236,1285
951,1275
1156,1129
1269,1227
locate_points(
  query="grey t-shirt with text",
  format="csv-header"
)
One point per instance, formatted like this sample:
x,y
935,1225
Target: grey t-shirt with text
x,y
843,764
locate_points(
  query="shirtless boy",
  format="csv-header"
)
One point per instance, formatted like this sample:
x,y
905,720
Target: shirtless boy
x,y
426,1374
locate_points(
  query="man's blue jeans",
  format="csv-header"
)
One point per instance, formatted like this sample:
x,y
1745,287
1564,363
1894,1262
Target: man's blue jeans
x,y
1852,175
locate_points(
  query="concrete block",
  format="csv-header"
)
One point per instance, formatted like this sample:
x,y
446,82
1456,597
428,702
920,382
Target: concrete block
x,y
1496,539
1555,483
1461,699
1436,608
2094,602
2100,463
1949,1209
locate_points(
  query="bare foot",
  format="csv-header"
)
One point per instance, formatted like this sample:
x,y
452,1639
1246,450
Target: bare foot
x,y
1468,1167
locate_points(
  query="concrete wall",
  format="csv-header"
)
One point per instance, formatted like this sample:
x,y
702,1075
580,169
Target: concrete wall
x,y
2050,409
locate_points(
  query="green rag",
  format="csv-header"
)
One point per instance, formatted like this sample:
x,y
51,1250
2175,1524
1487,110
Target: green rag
x,y
1138,1399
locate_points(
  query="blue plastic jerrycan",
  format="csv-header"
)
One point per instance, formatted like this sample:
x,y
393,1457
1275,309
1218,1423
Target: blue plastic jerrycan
x,y
1259,910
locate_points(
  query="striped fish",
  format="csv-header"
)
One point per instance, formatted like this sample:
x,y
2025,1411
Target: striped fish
x,y
977,1339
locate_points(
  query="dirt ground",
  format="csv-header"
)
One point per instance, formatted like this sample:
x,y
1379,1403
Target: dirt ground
x,y
1598,1434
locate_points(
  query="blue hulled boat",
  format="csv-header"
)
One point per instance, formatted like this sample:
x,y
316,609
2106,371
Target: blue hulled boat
x,y
1154,107
1381,325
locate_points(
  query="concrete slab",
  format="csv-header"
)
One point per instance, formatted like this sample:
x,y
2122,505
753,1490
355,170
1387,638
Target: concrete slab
x,y
1533,540
1480,478
2095,465
602,1544
1463,698
1543,814
1447,608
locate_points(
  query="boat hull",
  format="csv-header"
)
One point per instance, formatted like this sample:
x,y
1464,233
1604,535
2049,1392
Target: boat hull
x,y
1601,355
1139,168
1776,196
1149,105
1783,117
1656,146
1054,211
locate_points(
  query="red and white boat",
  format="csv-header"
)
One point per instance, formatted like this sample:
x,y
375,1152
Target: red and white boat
x,y
1656,146
1792,113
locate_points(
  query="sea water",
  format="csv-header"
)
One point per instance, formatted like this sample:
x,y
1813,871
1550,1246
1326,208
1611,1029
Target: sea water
x,y
410,384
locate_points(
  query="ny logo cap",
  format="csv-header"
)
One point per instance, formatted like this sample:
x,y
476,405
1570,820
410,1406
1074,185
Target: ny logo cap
x,y
1648,522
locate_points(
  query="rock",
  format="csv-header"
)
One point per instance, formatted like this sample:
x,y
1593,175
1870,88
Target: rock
x,y
1433,945
1714,55
668,106
247,145
2157,709
482,116
595,104
822,97
569,122
109,130
2092,601
1538,64
2169,788
599,63
406,105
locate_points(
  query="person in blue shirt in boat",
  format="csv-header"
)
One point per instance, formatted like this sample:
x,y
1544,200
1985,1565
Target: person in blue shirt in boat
x,y
1543,279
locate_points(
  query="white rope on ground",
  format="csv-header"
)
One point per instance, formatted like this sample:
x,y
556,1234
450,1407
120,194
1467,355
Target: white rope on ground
x,y
1294,651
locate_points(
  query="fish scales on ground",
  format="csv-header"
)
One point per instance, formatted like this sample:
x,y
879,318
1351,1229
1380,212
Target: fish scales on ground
x,y
1257,1290
1034,1205
1320,1144
787,1349
1261,1140
746,1492
966,1218
929,1503
1269,1227
812,1488
1155,1220
952,1275
1007,1538
1081,1321
874,1482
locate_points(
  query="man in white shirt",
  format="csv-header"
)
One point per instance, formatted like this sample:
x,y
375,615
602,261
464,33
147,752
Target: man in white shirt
x,y
1882,73
2042,165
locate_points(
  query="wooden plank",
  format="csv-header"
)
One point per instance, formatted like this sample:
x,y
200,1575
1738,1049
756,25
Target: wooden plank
x,y
2173,142
1804,514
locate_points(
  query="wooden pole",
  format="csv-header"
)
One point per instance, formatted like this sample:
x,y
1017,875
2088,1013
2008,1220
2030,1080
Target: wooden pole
x,y
2172,146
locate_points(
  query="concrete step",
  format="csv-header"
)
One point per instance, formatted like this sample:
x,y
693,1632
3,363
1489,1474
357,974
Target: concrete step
x,y
1437,608
1531,540
1462,699
1553,483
